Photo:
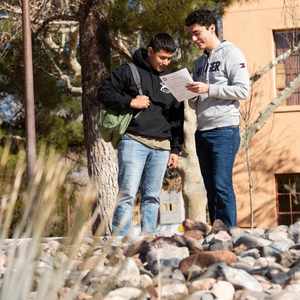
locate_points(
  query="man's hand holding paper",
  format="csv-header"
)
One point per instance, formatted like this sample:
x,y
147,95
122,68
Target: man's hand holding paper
x,y
198,87
177,84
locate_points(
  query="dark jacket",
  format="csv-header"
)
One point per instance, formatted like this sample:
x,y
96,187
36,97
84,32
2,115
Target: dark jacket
x,y
164,117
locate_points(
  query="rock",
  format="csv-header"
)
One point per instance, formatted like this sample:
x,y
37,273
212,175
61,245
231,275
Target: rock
x,y
293,288
207,258
173,291
251,241
277,234
201,295
84,296
129,274
194,234
250,295
223,236
162,252
284,295
186,266
282,245
194,272
92,263
247,260
223,290
288,258
201,284
145,281
264,261
194,225
236,232
218,226
240,278
168,256
169,275
125,293
269,251
258,232
252,252
3,262
221,241
294,232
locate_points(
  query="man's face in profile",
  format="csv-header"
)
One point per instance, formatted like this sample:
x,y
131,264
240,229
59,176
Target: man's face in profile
x,y
159,60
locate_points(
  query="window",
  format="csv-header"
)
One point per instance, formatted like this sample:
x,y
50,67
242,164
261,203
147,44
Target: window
x,y
288,198
288,69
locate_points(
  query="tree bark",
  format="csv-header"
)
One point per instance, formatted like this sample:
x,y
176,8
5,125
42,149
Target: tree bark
x,y
194,193
95,58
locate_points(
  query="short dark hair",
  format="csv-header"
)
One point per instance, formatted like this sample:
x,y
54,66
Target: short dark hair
x,y
163,41
202,17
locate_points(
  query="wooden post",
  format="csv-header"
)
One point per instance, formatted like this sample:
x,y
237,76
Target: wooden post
x,y
29,92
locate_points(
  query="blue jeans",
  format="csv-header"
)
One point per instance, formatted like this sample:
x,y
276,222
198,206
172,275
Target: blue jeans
x,y
216,151
144,167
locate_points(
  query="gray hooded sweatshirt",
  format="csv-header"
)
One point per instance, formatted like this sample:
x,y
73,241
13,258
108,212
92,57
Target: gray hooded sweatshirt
x,y
225,70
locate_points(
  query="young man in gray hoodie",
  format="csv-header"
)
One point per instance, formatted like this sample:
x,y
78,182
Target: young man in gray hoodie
x,y
221,79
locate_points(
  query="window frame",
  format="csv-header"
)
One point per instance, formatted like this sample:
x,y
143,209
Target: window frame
x,y
290,213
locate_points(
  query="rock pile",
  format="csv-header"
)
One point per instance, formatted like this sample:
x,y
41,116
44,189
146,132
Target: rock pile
x,y
204,263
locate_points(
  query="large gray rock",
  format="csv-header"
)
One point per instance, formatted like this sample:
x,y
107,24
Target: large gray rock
x,y
241,278
251,241
282,245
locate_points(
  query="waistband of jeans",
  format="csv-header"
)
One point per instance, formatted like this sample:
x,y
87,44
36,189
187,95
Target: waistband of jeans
x,y
220,128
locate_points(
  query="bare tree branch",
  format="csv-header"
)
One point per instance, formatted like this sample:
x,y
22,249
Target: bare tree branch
x,y
119,45
263,117
258,74
72,57
59,17
75,91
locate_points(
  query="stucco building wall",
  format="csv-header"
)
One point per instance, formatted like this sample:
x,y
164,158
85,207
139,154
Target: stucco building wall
x,y
275,149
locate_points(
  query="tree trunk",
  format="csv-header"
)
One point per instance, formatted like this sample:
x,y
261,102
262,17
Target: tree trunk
x,y
95,58
193,187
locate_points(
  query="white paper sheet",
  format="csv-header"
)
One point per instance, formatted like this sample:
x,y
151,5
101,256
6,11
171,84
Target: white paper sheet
x,y
176,83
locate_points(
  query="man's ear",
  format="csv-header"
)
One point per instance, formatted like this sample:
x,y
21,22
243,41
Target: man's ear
x,y
212,28
150,51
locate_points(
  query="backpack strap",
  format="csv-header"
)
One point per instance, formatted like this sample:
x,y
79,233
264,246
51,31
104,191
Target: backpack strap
x,y
136,77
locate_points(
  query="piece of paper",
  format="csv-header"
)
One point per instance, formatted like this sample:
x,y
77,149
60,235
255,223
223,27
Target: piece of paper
x,y
176,83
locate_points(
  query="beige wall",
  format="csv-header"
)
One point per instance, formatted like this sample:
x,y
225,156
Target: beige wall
x,y
276,148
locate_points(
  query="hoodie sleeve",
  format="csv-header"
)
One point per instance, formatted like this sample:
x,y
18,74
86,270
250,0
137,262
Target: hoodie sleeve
x,y
116,91
176,122
238,85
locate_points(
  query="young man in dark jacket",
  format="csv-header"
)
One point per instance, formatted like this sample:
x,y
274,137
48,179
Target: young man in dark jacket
x,y
153,138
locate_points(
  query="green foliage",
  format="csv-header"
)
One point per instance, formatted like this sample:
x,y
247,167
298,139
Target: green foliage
x,y
57,112
152,16
61,133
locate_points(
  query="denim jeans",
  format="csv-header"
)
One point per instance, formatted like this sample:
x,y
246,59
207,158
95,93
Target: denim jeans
x,y
144,167
216,151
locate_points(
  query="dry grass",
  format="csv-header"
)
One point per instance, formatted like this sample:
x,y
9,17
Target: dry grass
x,y
23,245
